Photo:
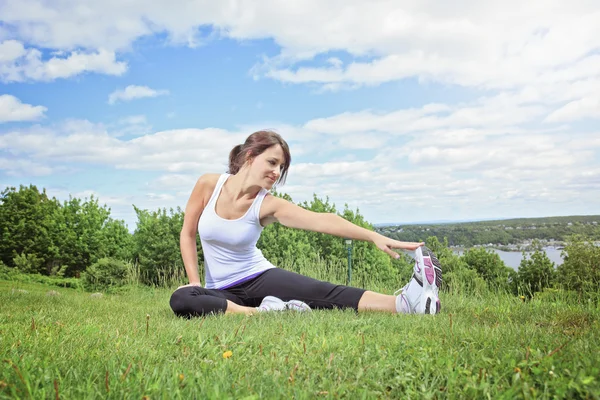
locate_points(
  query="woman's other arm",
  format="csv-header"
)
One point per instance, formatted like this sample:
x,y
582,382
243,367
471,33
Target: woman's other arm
x,y
187,238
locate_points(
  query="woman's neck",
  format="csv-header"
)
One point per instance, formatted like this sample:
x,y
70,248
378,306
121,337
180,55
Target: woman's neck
x,y
240,186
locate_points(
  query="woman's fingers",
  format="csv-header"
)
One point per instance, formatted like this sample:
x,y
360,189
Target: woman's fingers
x,y
391,253
407,245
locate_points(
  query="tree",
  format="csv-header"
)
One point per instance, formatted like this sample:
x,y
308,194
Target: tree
x,y
580,270
535,273
39,235
156,243
370,261
489,266
329,247
26,225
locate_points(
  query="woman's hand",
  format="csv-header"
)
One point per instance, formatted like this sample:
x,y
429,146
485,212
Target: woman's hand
x,y
386,244
190,284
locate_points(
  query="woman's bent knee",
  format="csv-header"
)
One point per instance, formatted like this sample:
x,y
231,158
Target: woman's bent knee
x,y
192,302
179,300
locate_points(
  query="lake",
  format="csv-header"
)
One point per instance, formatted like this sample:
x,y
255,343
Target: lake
x,y
513,258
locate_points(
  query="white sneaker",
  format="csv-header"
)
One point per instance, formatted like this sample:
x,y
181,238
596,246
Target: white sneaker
x,y
272,303
297,305
408,298
420,295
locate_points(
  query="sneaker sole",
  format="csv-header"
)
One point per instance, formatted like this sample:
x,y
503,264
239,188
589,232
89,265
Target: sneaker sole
x,y
297,305
431,278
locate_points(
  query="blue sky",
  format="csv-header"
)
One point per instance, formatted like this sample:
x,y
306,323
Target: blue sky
x,y
409,111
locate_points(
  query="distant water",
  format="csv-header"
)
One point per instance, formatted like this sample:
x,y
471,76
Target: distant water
x,y
513,258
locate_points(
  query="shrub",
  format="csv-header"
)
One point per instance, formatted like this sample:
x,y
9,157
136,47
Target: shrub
x,y
156,241
556,295
489,266
535,273
580,270
464,280
27,263
105,275
13,274
72,283
7,273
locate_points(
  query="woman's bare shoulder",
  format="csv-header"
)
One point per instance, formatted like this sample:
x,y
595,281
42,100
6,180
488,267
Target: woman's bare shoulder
x,y
209,179
203,189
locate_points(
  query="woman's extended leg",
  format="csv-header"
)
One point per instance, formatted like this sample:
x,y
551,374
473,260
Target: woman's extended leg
x,y
418,296
288,285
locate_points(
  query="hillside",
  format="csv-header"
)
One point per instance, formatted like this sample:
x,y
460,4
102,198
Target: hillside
x,y
551,230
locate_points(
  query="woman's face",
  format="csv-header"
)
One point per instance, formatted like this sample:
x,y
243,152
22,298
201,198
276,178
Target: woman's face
x,y
266,167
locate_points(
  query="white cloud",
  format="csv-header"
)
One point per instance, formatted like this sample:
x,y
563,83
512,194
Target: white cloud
x,y
586,107
18,64
85,142
363,141
531,48
12,109
132,92
23,167
183,182
11,50
434,43
485,112
160,197
134,120
478,138
133,125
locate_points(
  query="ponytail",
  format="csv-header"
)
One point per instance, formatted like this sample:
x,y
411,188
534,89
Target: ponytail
x,y
234,160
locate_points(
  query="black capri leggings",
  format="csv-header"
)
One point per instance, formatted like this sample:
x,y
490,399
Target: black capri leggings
x,y
192,301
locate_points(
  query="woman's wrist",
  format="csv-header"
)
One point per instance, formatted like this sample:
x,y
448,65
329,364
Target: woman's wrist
x,y
373,236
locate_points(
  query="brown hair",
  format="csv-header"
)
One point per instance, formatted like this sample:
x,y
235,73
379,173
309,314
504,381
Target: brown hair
x,y
256,144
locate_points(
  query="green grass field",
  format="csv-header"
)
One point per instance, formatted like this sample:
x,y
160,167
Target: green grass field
x,y
130,345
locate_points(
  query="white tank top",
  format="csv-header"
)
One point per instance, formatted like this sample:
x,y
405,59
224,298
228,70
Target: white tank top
x,y
230,252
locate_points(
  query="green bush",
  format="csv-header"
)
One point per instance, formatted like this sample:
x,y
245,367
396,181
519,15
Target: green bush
x,y
105,275
13,274
580,270
536,272
489,266
464,280
27,263
7,273
156,240
72,283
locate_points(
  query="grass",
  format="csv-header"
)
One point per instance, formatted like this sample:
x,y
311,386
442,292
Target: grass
x,y
130,345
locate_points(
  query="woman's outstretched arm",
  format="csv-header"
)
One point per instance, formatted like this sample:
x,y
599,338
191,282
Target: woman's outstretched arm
x,y
294,216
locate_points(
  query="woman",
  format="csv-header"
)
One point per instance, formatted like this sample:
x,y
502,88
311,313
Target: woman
x,y
230,211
